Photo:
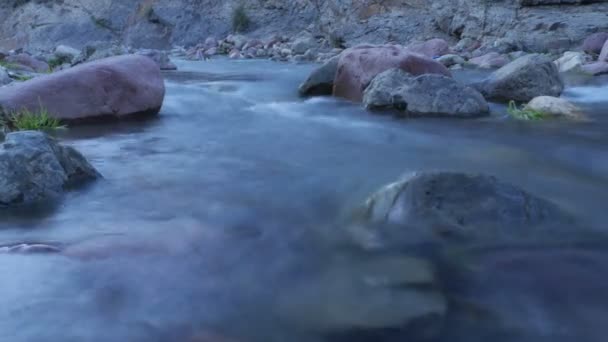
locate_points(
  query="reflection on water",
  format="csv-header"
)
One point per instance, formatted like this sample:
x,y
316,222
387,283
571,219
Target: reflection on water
x,y
223,210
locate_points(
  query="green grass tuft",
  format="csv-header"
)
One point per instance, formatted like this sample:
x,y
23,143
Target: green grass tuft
x,y
240,19
7,65
522,113
26,120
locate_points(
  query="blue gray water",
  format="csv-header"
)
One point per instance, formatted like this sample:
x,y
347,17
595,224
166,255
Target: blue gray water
x,y
203,216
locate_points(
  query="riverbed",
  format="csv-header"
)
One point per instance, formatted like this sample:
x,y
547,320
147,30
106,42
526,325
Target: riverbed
x,y
205,213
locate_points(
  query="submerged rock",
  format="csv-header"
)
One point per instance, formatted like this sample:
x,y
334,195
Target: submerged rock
x,y
34,168
387,292
359,65
435,206
424,95
115,87
321,80
555,107
523,79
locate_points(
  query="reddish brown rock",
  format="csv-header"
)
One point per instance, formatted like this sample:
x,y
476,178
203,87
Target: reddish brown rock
x,y
115,87
359,65
490,61
595,42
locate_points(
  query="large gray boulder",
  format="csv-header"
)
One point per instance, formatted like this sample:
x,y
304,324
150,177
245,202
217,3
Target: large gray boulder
x,y
34,168
452,205
321,80
523,79
116,87
424,95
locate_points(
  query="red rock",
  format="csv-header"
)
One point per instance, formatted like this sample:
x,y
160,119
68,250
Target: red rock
x,y
360,64
490,61
114,87
431,48
595,42
28,61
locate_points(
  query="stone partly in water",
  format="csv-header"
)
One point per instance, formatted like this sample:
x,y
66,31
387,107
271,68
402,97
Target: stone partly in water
x,y
321,80
34,168
452,206
373,293
572,61
451,60
424,95
555,107
595,69
523,79
359,65
116,87
603,57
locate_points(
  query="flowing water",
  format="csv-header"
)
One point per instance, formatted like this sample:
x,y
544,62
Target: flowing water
x,y
204,216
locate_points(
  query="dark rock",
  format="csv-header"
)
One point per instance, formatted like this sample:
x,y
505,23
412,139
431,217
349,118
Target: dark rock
x,y
431,48
115,87
34,168
424,95
321,80
439,206
523,79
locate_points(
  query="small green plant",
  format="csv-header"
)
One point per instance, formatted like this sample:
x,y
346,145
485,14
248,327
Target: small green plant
x,y
56,62
523,113
27,120
7,65
23,78
240,19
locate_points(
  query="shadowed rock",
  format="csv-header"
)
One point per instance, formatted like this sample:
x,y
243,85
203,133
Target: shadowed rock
x,y
523,79
424,95
34,168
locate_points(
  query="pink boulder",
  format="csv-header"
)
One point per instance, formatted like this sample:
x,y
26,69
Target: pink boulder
x,y
431,48
595,42
490,61
597,68
360,64
115,87
28,61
